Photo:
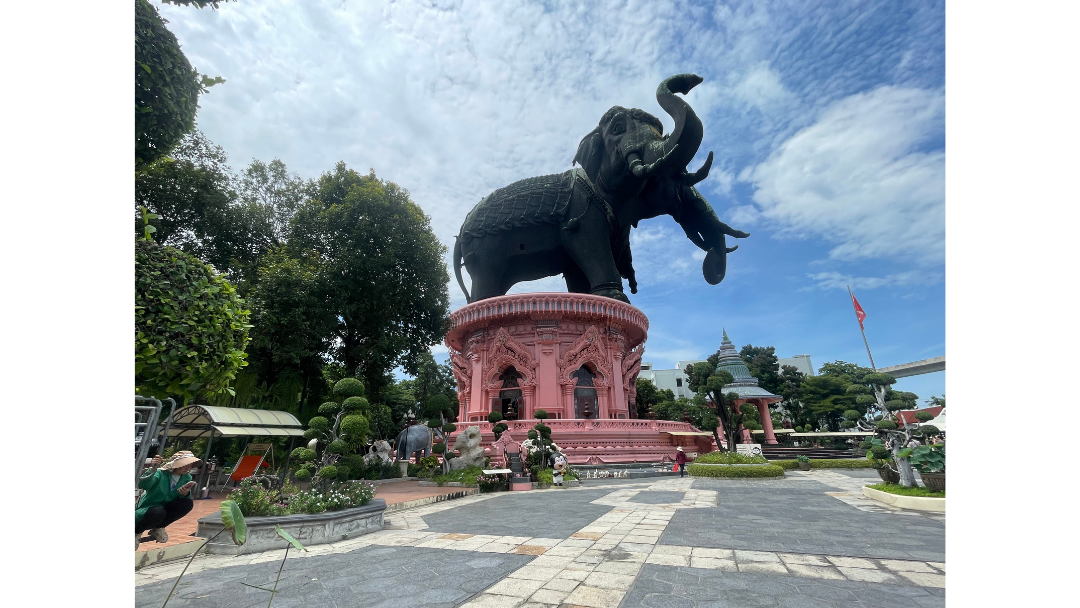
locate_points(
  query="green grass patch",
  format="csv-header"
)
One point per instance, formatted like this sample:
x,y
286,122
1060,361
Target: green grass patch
x,y
729,458
466,476
895,488
735,472
827,463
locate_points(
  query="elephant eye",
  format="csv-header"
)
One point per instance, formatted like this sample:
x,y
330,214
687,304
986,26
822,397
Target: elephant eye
x,y
617,128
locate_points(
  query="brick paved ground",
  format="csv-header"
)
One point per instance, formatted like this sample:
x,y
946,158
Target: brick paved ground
x,y
807,540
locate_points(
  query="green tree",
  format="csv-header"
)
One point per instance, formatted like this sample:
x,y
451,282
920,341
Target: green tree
x,y
291,322
827,398
191,327
167,88
648,396
705,378
433,379
763,365
791,380
191,192
383,270
935,401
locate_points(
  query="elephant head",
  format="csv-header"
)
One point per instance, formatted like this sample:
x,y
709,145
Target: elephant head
x,y
627,155
628,146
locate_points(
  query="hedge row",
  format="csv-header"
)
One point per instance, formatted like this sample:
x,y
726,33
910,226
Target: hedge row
x,y
765,470
827,463
729,458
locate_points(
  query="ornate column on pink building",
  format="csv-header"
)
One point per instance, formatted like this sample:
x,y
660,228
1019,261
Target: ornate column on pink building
x,y
480,403
617,385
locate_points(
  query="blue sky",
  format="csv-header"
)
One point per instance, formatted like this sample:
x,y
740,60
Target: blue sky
x,y
827,121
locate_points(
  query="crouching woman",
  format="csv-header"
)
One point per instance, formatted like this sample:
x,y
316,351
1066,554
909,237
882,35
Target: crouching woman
x,y
168,495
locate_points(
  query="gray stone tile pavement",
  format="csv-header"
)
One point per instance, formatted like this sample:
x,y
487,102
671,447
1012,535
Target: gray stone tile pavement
x,y
798,517
669,586
372,577
551,514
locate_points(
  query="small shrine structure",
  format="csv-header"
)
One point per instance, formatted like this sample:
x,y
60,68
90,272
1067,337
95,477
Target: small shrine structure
x,y
746,386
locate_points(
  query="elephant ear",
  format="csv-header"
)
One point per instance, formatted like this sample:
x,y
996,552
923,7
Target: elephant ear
x,y
590,153
715,266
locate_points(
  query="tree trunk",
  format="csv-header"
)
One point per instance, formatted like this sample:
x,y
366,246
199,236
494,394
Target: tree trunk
x,y
907,475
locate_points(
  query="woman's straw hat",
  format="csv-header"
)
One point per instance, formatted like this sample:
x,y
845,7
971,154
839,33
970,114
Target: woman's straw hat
x,y
679,448
180,459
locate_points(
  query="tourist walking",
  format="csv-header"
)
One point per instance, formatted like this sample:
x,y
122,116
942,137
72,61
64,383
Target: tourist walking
x,y
680,459
167,496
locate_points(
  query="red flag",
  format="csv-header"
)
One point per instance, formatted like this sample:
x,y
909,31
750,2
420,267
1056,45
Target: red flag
x,y
859,312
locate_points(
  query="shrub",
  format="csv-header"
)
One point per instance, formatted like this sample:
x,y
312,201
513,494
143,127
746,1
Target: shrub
x,y
349,387
439,448
166,87
328,472
923,416
929,458
540,414
491,483
802,458
376,469
765,470
886,425
429,462
895,488
355,404
499,429
751,425
545,476
729,458
191,326
466,476
827,463
329,408
494,417
928,430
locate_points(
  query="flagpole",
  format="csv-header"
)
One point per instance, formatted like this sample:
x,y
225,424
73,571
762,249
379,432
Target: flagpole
x,y
863,331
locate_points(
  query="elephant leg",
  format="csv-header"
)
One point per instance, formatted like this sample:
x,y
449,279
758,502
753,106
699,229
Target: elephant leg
x,y
576,281
486,267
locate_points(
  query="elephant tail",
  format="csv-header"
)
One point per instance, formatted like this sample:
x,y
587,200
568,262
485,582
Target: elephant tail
x,y
457,269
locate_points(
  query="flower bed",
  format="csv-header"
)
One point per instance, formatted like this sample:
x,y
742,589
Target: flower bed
x,y
735,471
254,501
311,529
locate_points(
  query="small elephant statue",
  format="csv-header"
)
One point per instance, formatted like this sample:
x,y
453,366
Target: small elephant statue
x,y
416,439
578,223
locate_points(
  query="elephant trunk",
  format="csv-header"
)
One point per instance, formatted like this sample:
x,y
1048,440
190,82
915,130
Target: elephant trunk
x,y
704,228
688,130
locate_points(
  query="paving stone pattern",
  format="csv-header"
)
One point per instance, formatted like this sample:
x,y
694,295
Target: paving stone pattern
x,y
658,498
601,548
662,586
552,513
372,577
798,517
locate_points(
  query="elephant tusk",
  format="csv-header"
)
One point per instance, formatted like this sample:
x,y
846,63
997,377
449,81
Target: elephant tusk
x,y
689,179
641,170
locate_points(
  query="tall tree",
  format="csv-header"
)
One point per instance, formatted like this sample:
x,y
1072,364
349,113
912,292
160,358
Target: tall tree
x,y
383,271
791,380
763,365
292,323
705,378
648,396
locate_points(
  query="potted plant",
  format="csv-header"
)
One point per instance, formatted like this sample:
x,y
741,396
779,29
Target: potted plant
x,y
881,460
929,460
804,462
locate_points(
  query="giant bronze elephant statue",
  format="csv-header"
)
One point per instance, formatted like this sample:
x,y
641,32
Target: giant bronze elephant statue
x,y
578,223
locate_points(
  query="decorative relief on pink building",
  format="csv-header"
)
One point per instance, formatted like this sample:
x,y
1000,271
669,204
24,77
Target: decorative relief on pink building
x,y
591,350
505,351
631,366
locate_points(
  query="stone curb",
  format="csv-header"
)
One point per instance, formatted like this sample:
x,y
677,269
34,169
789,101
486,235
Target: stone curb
x,y
918,503
419,502
149,557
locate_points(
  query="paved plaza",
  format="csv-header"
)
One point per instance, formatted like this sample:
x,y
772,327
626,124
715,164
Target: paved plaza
x,y
810,539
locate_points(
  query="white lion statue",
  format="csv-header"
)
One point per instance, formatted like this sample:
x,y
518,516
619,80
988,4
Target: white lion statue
x,y
467,445
380,450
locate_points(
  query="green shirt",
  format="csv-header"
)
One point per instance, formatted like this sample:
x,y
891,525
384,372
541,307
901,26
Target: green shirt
x,y
159,490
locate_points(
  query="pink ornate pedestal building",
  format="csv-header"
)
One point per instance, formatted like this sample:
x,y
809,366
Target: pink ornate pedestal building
x,y
576,356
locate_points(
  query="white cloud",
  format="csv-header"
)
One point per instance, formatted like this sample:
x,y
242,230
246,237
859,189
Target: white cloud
x,y
761,88
836,280
859,179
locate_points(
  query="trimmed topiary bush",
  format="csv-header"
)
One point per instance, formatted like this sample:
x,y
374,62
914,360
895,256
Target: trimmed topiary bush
x,y
348,387
729,458
886,425
735,472
827,463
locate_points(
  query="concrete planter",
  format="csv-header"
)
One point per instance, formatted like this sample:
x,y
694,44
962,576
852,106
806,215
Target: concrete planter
x,y
919,503
310,530
935,482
